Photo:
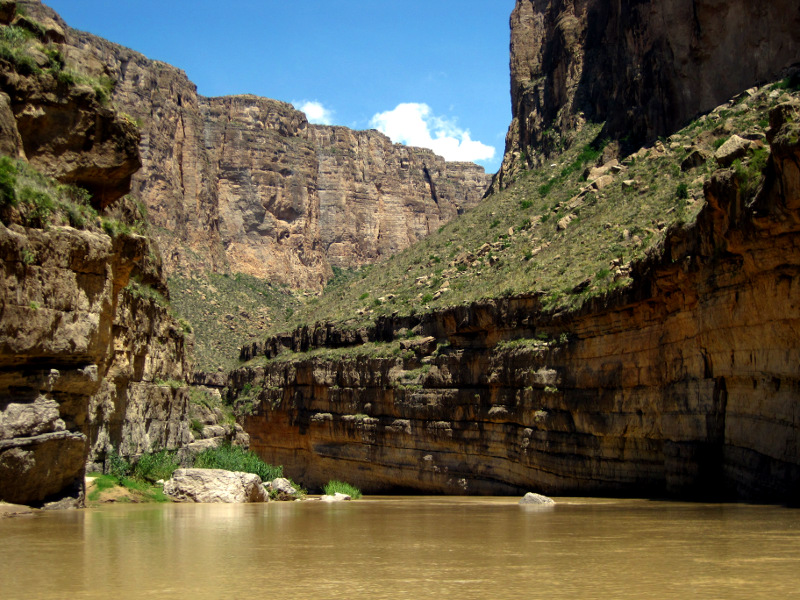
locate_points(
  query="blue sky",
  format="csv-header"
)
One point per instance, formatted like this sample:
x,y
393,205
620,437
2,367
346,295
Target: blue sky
x,y
426,72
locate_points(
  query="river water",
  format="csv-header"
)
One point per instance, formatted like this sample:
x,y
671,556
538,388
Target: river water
x,y
409,547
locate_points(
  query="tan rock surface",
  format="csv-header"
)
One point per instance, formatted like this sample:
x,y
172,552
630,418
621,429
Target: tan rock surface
x,y
215,486
683,383
246,184
80,349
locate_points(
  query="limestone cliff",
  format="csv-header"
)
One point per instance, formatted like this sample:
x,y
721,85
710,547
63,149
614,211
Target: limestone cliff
x,y
246,184
643,68
85,335
683,382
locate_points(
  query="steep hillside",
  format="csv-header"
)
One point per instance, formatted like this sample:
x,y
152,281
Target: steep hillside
x,y
634,333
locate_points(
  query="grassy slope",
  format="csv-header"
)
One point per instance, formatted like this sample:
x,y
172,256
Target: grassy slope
x,y
509,244
527,251
227,311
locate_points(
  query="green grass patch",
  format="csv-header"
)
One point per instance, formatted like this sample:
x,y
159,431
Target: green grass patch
x,y
609,227
334,486
234,458
226,312
32,199
102,483
155,466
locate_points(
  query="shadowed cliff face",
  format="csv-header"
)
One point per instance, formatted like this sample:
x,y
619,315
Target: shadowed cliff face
x,y
644,68
246,184
683,383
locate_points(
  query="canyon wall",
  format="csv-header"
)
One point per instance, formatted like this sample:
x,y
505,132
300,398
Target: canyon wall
x,y
683,383
246,184
643,68
86,338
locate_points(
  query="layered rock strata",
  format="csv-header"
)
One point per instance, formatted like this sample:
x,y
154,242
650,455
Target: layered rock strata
x,y
86,337
684,383
246,184
643,68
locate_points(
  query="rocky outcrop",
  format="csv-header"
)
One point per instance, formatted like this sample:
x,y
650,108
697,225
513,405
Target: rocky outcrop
x,y
61,128
683,383
215,486
246,184
643,68
85,332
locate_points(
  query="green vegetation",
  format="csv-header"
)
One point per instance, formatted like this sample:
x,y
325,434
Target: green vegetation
x,y
15,47
227,311
140,290
34,200
550,231
234,458
159,465
749,173
333,487
203,397
360,351
137,490
137,481
24,46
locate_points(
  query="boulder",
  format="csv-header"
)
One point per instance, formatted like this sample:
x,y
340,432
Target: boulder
x,y
215,485
281,489
531,498
735,147
337,497
696,158
602,182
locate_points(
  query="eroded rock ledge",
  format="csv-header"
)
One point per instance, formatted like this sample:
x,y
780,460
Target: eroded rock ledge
x,y
684,383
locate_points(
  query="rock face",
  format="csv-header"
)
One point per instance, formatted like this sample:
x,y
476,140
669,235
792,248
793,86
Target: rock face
x,y
85,333
246,184
215,486
64,131
642,67
684,383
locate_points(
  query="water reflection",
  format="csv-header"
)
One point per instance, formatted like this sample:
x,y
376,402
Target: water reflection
x,y
405,547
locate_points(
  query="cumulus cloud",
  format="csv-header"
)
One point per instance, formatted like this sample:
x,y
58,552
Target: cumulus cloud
x,y
315,112
414,124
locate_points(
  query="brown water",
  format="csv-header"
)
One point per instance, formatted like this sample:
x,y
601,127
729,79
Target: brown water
x,y
410,547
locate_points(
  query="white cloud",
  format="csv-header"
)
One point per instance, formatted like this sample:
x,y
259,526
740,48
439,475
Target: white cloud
x,y
315,112
414,124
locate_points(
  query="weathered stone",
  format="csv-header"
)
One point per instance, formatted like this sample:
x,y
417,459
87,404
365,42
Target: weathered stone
x,y
7,10
247,184
602,182
735,147
532,498
683,383
10,141
281,489
696,158
215,486
337,497
564,223
78,349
